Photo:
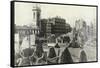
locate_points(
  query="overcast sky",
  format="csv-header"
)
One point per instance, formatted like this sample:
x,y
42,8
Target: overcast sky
x,y
23,12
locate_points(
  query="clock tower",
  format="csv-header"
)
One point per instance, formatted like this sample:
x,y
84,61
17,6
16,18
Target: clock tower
x,y
36,15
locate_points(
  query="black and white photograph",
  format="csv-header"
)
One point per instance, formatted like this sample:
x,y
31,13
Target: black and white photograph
x,y
51,33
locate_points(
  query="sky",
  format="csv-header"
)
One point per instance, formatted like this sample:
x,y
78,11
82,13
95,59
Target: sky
x,y
24,13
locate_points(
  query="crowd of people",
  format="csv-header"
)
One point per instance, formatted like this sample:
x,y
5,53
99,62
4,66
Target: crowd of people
x,y
38,56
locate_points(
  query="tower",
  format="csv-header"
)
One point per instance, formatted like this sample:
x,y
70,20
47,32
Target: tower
x,y
36,15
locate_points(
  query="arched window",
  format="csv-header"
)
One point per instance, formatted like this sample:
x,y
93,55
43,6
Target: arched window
x,y
34,15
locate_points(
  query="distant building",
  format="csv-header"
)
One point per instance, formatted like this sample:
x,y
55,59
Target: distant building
x,y
51,28
59,26
36,15
25,30
55,26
